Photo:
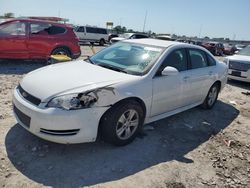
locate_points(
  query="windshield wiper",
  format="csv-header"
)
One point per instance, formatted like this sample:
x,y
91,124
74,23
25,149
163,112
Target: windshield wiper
x,y
89,60
112,68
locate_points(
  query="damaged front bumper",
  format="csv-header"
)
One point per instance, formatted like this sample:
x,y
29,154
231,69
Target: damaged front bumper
x,y
57,125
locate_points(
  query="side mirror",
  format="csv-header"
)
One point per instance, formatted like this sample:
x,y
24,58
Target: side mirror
x,y
169,71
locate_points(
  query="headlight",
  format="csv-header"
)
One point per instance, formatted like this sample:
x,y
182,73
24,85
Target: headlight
x,y
73,101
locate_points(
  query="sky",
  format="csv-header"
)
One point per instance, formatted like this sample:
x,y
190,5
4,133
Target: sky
x,y
212,18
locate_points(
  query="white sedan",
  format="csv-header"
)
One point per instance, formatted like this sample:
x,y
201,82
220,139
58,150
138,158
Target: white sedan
x,y
116,91
239,65
126,36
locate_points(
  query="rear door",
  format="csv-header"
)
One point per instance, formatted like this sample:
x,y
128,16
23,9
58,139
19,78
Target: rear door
x,y
13,40
201,77
43,38
96,34
40,41
92,34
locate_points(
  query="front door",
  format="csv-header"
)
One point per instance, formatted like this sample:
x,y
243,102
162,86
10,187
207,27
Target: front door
x,y
168,91
13,40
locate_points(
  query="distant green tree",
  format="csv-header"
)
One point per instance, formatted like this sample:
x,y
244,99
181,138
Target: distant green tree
x,y
124,29
9,15
118,29
130,31
174,36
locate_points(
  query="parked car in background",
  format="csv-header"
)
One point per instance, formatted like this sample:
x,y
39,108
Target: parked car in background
x,y
215,48
239,47
117,90
229,49
165,37
129,36
111,35
199,43
92,34
239,65
37,39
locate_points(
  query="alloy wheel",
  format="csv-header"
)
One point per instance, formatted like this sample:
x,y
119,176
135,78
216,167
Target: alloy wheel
x,y
127,124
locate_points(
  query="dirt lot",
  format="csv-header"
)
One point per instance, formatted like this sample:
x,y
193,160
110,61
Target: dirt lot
x,y
196,148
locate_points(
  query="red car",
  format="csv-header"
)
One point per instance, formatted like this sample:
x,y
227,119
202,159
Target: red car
x,y
37,39
215,48
229,49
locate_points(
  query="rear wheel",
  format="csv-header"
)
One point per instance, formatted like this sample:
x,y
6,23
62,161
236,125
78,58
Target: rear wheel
x,y
120,125
211,97
102,42
61,51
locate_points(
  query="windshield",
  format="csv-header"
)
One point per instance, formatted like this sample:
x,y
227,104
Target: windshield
x,y
136,59
126,35
245,51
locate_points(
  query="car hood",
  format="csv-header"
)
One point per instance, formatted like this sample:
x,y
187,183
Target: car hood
x,y
239,58
69,77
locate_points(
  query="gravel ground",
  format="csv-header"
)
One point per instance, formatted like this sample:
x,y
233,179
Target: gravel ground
x,y
196,148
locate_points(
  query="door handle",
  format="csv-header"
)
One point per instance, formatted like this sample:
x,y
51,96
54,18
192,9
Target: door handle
x,y
210,73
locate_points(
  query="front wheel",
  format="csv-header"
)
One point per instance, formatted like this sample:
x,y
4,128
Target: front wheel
x,y
212,96
120,125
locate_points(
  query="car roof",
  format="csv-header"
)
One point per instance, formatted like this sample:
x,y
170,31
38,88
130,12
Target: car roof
x,y
166,36
212,42
90,26
36,20
162,43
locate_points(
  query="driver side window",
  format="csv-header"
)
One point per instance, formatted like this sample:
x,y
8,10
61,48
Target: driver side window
x,y
176,59
13,29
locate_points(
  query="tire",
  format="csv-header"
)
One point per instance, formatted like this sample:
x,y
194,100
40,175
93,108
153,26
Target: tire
x,y
212,96
61,51
120,124
102,42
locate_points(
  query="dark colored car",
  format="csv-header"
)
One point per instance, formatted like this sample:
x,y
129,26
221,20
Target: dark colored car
x,y
215,48
229,49
111,35
37,39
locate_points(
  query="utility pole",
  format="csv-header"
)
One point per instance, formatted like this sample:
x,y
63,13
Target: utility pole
x,y
200,31
145,19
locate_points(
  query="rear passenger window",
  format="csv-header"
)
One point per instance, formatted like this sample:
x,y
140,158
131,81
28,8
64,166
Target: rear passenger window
x,y
54,30
39,28
91,30
102,31
197,59
96,30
